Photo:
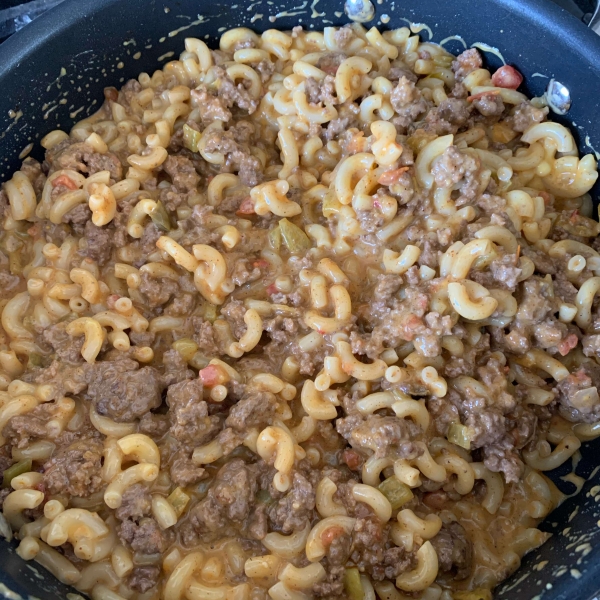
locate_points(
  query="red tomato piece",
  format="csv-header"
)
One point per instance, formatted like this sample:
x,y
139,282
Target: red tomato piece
x,y
352,459
246,207
211,376
64,180
566,345
507,77
330,534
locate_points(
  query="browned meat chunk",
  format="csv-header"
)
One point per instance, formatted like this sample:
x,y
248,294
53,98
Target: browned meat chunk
x,y
122,391
75,470
188,413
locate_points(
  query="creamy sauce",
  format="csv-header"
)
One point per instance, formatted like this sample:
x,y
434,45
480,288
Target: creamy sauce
x,y
200,19
296,10
458,38
63,72
489,49
314,13
76,112
418,27
596,154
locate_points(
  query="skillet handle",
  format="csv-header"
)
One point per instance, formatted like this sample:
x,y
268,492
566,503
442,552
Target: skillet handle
x,y
594,22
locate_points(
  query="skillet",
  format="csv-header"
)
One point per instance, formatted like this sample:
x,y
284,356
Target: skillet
x,y
53,72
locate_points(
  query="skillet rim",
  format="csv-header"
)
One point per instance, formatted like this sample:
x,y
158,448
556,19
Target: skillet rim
x,y
546,15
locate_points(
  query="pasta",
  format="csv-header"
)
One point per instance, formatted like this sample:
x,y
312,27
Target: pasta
x,y
307,316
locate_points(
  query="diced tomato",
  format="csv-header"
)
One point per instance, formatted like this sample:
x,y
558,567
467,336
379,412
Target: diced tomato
x,y
211,376
246,207
271,289
507,77
356,143
64,180
330,534
110,301
390,177
566,345
482,95
34,230
352,459
412,325
261,263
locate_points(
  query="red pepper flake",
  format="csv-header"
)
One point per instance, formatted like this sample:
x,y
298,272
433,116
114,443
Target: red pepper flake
x,y
390,177
271,289
483,95
261,263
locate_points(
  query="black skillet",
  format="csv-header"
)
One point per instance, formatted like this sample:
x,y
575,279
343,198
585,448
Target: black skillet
x,y
53,73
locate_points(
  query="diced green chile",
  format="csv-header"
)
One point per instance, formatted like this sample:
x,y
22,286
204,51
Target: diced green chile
x,y
396,492
275,238
35,360
293,237
263,496
160,217
353,584
191,138
23,466
460,435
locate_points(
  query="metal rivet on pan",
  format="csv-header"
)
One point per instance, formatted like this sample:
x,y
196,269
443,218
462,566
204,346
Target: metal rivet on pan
x,y
360,11
558,97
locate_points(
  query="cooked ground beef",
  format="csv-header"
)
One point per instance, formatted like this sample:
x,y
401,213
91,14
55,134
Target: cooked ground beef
x,y
188,413
75,470
142,579
526,115
293,511
122,391
465,63
229,499
137,503
454,550
145,537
